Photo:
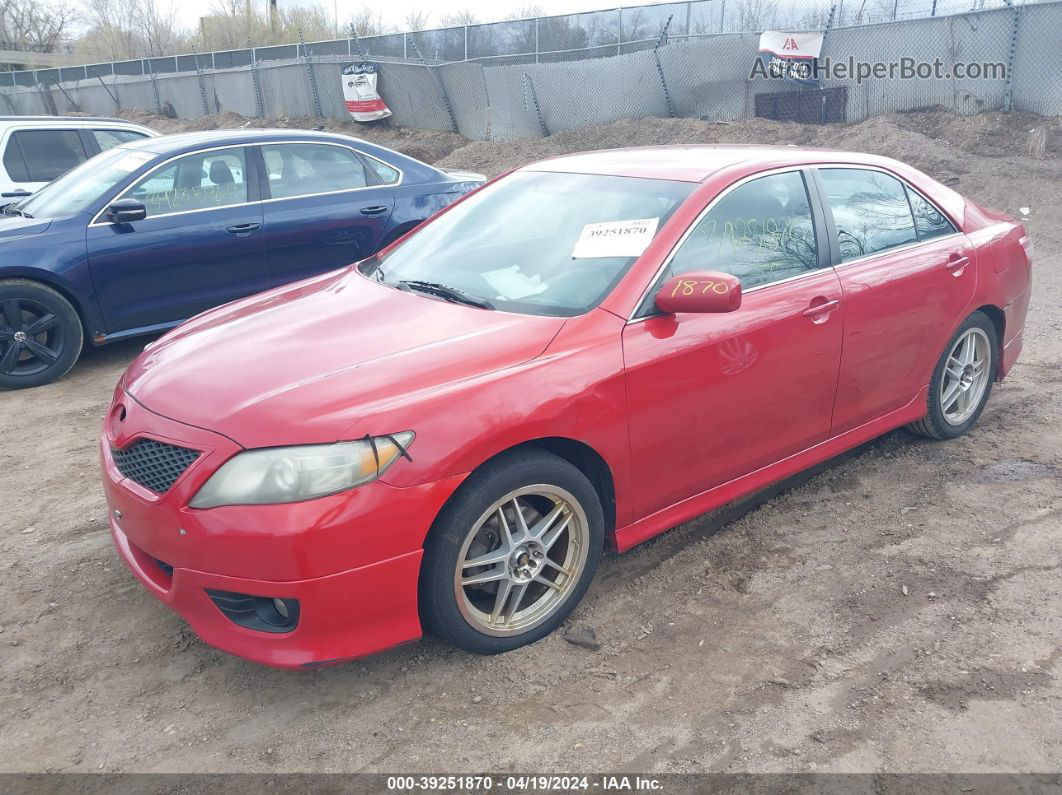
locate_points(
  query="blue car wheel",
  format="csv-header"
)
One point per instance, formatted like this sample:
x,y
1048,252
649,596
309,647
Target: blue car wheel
x,y
40,334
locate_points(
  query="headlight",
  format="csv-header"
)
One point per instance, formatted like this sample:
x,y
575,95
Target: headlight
x,y
292,474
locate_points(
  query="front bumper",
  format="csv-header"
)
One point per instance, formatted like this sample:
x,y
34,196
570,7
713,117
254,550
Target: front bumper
x,y
342,616
351,559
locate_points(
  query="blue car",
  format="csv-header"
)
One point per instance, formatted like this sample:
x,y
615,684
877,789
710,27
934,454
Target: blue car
x,y
150,233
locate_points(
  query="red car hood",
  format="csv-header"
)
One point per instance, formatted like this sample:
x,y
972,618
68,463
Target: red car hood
x,y
301,364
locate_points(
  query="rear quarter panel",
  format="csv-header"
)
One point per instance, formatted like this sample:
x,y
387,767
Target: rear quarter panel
x,y
1004,274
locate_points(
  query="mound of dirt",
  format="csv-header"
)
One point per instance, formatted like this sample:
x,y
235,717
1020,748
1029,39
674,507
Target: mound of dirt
x,y
879,135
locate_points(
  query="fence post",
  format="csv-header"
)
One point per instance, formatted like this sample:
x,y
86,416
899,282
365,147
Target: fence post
x,y
259,110
466,42
69,99
114,95
202,83
660,68
154,86
362,53
311,76
619,31
537,20
438,81
722,17
1012,49
531,97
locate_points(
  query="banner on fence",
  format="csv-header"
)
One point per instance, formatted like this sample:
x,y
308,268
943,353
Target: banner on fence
x,y
790,56
360,96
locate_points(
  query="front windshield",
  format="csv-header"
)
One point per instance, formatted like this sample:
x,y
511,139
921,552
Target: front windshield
x,y
539,243
81,187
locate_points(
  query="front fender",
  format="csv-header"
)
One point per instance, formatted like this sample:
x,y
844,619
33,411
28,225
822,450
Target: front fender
x,y
575,389
57,258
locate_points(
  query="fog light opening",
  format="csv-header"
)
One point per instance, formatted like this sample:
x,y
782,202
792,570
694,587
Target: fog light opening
x,y
261,613
281,608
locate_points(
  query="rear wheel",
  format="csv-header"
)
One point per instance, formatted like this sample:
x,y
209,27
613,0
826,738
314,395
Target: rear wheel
x,y
511,556
40,334
962,380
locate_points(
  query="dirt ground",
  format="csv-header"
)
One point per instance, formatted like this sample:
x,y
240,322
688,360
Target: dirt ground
x,y
900,610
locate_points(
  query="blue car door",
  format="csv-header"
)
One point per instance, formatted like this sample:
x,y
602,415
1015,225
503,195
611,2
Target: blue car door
x,y
199,246
325,206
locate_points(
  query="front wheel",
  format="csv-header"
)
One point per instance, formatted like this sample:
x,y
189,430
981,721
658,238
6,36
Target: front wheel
x,y
511,556
962,380
40,334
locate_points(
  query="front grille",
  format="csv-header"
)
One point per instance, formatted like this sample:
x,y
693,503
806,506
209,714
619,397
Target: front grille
x,y
154,465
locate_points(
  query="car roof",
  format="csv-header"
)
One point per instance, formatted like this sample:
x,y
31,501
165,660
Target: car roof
x,y
68,120
179,142
694,162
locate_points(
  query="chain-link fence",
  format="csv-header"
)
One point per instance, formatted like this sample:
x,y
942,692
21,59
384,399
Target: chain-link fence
x,y
537,77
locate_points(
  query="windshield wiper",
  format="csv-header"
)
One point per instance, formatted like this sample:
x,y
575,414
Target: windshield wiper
x,y
445,291
12,210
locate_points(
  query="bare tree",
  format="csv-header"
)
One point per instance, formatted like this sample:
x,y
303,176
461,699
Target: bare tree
x,y
752,15
417,21
34,25
367,22
234,24
458,18
156,24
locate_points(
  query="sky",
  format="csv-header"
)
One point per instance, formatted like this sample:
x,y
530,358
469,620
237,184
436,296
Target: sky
x,y
394,12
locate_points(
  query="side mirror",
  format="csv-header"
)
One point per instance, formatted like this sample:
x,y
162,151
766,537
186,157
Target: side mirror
x,y
701,291
125,211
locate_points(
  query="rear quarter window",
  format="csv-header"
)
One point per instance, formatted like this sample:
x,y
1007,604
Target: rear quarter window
x,y
108,139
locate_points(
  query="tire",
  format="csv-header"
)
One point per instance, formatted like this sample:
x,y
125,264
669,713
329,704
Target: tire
x,y
951,414
542,486
40,334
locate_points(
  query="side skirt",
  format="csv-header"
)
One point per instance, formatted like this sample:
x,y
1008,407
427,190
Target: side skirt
x,y
717,496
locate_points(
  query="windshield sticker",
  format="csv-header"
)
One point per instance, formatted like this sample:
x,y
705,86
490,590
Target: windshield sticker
x,y
513,285
615,238
133,161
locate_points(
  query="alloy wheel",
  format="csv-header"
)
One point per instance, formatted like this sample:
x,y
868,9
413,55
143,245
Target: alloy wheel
x,y
521,560
31,337
965,376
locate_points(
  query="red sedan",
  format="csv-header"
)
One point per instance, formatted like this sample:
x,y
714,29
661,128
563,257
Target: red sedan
x,y
577,356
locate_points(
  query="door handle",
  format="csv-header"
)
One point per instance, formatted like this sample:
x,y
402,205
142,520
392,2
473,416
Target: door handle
x,y
957,263
377,210
242,229
815,310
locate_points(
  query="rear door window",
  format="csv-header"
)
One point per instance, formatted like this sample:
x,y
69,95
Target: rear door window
x,y
42,155
870,211
309,169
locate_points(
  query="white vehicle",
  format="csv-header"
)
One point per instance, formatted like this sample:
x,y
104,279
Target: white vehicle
x,y
34,150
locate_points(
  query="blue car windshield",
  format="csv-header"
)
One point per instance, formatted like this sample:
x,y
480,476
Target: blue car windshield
x,y
539,243
80,188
